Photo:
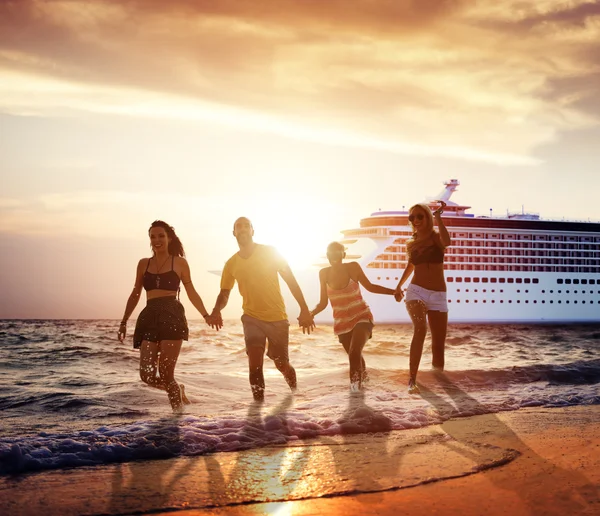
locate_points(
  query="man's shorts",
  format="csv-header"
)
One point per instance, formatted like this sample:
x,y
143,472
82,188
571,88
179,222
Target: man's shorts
x,y
434,300
277,333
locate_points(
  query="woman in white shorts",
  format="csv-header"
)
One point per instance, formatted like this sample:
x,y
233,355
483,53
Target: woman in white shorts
x,y
426,294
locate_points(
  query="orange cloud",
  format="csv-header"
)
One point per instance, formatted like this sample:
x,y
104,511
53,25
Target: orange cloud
x,y
493,77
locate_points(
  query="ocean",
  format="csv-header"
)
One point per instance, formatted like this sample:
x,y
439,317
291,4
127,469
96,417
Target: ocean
x,y
70,393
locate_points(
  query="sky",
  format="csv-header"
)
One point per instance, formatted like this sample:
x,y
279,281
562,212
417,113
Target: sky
x,y
304,116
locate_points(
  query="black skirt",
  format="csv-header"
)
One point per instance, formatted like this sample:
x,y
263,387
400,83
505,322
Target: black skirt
x,y
163,318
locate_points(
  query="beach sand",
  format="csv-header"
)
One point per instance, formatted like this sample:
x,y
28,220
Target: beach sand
x,y
530,461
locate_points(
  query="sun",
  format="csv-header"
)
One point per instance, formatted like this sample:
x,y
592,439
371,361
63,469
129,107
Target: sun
x,y
299,232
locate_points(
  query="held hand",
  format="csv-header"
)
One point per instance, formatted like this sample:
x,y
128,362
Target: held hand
x,y
307,322
398,294
215,320
121,334
440,210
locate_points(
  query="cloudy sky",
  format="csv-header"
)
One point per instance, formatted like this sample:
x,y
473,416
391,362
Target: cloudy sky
x,y
303,115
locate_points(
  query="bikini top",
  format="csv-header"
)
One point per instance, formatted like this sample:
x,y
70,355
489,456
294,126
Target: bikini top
x,y
165,281
430,254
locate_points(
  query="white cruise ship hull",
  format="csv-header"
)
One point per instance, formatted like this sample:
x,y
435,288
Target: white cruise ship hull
x,y
513,269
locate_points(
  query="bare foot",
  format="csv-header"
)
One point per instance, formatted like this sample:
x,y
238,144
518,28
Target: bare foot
x,y
184,398
413,388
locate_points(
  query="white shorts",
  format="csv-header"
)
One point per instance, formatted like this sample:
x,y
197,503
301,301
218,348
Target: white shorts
x,y
434,300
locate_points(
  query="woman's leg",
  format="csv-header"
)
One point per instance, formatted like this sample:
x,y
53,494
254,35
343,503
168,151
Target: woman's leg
x,y
149,364
360,335
418,314
438,323
363,366
169,353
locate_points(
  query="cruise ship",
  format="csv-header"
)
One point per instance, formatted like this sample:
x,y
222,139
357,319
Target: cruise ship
x,y
513,269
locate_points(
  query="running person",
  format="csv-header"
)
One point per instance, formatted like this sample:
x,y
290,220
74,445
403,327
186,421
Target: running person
x,y
352,318
161,326
256,267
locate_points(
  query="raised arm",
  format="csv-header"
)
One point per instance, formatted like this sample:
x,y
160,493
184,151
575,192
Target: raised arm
x,y
324,300
359,274
193,296
133,299
444,235
305,319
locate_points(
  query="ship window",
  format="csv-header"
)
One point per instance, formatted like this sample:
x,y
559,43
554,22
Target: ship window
x,y
502,280
568,281
575,282
458,280
484,301
559,281
518,291
467,280
535,280
535,301
543,301
450,280
527,280
592,282
494,280
518,300
583,302
475,280
551,301
559,301
484,280
510,300
468,301
575,301
567,301
493,301
527,300
584,282
519,280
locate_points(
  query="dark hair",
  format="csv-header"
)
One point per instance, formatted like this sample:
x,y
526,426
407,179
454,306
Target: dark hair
x,y
175,246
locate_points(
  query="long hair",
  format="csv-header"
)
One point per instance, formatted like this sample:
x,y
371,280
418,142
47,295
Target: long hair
x,y
175,245
429,218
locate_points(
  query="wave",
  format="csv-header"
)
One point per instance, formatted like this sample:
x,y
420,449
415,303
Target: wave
x,y
443,396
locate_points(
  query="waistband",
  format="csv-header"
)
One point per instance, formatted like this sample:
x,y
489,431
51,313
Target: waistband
x,y
423,290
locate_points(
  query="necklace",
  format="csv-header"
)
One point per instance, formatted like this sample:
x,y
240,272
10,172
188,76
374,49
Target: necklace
x,y
158,272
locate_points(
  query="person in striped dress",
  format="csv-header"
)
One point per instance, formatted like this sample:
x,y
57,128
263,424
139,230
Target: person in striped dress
x,y
352,317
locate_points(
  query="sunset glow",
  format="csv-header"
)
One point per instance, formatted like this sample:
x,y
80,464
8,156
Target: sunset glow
x,y
304,116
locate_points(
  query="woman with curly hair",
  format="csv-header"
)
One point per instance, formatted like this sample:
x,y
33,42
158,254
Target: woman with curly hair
x,y
161,326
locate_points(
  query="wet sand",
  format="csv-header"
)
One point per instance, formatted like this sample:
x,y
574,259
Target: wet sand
x,y
531,461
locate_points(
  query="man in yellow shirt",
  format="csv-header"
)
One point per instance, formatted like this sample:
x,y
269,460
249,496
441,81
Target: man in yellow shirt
x,y
256,267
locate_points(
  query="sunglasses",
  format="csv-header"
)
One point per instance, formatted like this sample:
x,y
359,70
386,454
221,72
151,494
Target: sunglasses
x,y
418,216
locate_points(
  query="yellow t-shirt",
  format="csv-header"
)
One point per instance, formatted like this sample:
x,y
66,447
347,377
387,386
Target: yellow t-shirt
x,y
258,281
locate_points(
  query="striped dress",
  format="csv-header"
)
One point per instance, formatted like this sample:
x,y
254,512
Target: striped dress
x,y
349,308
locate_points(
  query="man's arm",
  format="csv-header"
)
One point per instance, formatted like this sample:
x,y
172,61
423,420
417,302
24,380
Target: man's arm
x,y
215,319
305,319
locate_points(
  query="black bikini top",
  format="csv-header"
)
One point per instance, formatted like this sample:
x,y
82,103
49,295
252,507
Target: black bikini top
x,y
165,281
430,254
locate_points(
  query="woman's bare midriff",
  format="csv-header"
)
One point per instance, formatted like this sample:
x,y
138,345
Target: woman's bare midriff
x,y
429,276
153,294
